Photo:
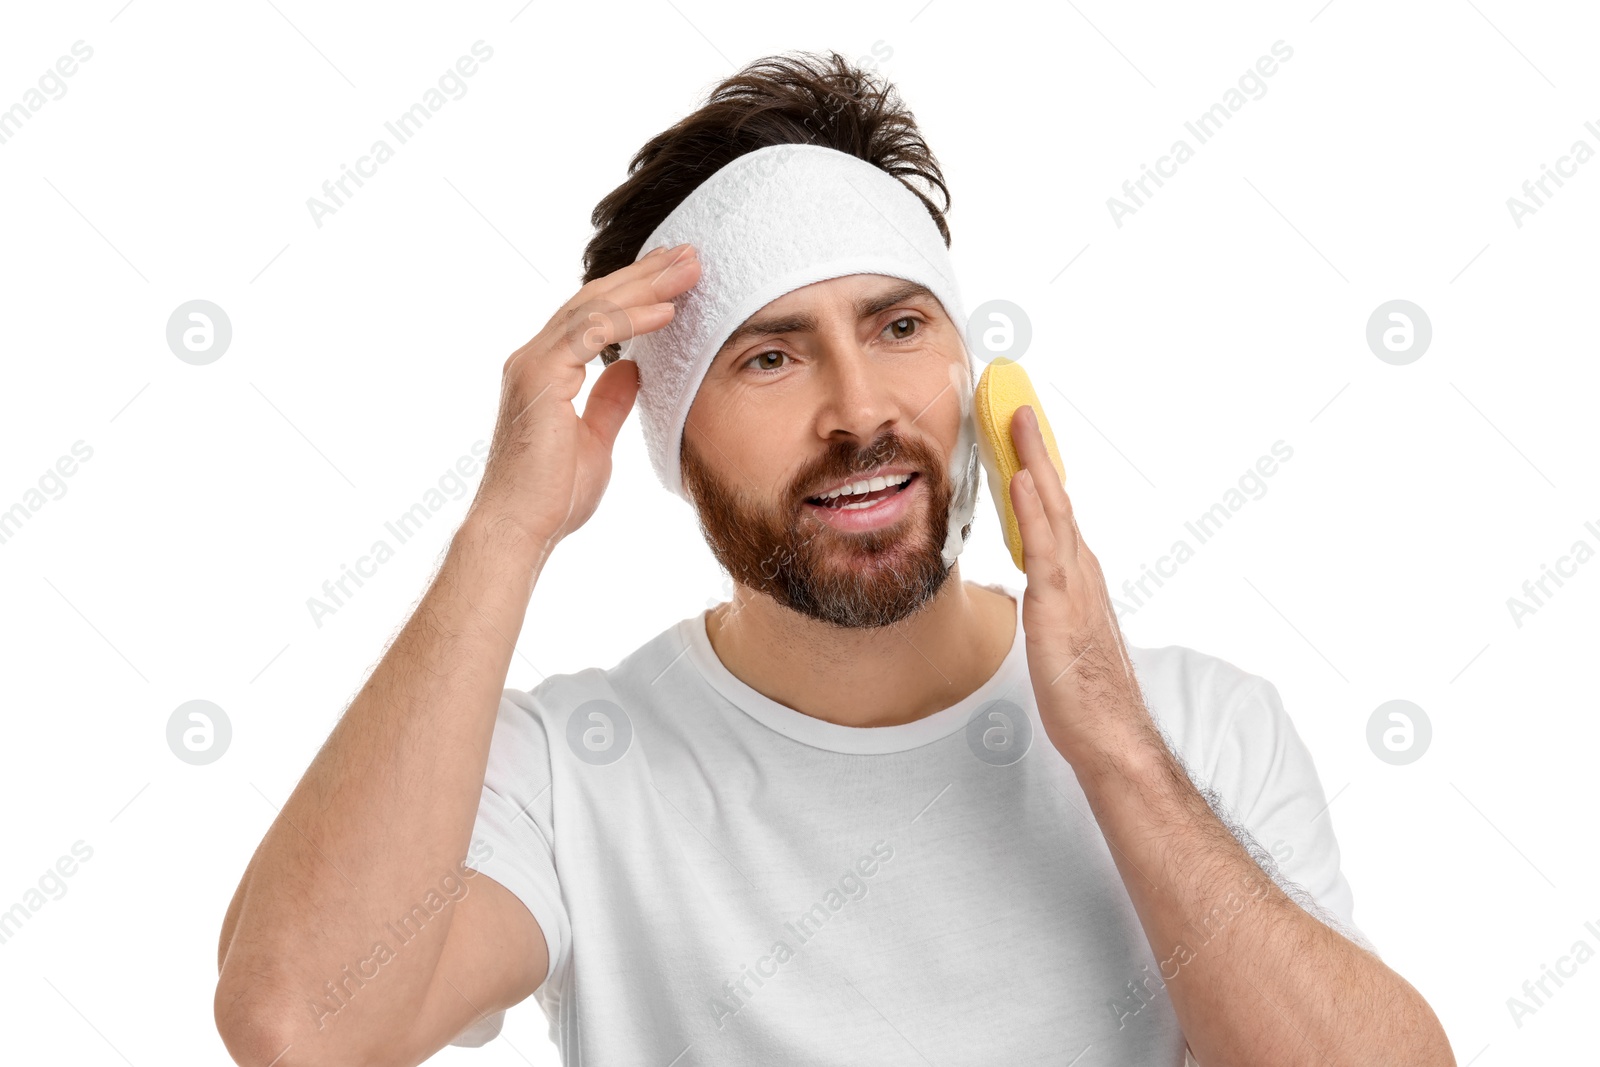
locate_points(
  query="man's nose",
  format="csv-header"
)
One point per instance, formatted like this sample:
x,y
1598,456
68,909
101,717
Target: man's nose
x,y
860,397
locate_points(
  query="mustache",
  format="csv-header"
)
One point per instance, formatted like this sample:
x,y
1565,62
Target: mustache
x,y
844,461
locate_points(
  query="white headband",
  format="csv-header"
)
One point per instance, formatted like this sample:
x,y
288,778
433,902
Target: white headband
x,y
767,223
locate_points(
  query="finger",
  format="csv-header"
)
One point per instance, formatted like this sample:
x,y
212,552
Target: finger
x,y
1038,538
611,399
1035,456
616,307
583,332
599,324
649,279
613,311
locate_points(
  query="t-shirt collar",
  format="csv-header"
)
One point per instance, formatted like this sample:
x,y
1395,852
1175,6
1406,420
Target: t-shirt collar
x,y
859,740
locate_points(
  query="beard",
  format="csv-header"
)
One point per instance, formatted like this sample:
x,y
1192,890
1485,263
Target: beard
x,y
852,580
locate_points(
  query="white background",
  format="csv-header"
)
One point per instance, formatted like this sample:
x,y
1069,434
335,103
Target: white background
x,y
1227,314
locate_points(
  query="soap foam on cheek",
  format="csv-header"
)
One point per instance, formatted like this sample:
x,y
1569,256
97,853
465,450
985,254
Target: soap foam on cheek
x,y
999,490
963,472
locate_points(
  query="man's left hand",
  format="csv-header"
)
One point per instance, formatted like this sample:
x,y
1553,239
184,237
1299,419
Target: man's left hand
x,y
1083,679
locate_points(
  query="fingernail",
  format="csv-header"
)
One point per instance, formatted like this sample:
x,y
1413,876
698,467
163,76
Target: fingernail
x,y
654,251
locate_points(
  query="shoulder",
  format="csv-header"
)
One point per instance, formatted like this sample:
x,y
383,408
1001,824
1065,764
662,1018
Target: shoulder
x,y
629,683
1207,706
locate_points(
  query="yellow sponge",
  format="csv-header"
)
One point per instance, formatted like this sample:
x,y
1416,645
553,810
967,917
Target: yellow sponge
x,y
1002,389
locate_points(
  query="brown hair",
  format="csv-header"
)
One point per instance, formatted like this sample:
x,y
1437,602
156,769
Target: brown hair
x,y
798,98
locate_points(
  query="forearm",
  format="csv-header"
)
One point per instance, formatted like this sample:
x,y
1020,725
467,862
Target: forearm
x,y
385,809
1253,978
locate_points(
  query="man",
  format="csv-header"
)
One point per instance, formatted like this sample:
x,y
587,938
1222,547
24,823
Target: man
x,y
863,813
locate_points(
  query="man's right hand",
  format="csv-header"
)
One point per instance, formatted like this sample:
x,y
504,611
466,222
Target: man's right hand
x,y
547,467
388,804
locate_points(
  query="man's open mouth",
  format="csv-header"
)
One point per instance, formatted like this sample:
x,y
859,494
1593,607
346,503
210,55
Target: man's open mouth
x,y
855,501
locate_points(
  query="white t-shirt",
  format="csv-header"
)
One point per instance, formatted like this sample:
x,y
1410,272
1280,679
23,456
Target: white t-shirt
x,y
724,880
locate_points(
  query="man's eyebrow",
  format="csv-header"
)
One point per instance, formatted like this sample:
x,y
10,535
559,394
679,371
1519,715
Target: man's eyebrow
x,y
866,307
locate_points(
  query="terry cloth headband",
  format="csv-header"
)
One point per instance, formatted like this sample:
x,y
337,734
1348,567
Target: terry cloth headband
x,y
765,224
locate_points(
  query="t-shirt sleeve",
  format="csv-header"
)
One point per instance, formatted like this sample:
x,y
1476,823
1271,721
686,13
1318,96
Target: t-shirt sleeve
x,y
513,837
1264,773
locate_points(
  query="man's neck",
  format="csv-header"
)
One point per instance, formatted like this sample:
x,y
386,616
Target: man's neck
x,y
879,677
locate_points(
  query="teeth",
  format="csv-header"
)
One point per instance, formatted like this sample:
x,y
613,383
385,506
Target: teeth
x,y
869,485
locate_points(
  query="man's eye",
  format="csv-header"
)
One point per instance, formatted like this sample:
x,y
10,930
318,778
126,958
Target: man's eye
x,y
910,321
758,362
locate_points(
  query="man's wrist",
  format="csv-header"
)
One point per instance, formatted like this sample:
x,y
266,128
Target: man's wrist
x,y
503,542
1129,752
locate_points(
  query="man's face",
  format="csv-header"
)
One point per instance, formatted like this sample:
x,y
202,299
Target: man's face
x,y
827,385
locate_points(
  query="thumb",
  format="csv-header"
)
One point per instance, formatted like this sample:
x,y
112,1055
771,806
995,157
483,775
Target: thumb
x,y
611,399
